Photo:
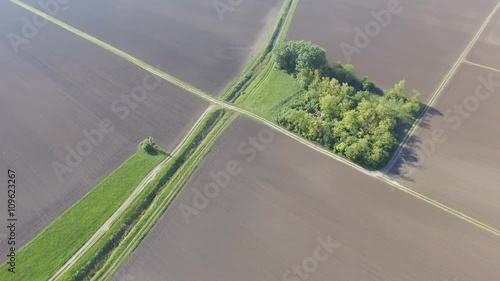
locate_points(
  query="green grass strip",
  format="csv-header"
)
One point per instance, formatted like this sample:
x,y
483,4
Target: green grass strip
x,y
288,21
161,202
96,256
93,259
280,26
46,253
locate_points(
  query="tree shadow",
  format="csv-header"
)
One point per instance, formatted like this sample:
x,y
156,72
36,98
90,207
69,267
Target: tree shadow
x,y
411,157
345,73
426,119
407,161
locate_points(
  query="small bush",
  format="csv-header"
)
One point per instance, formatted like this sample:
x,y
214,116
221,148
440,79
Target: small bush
x,y
149,146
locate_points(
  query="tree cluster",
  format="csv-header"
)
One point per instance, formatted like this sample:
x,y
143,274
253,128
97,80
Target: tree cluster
x,y
294,56
346,114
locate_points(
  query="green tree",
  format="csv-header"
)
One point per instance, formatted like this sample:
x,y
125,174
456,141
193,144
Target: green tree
x,y
367,84
306,76
149,145
344,113
334,98
405,108
365,134
286,57
293,56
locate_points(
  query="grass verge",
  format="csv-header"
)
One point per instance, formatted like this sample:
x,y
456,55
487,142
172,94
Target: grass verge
x,y
238,85
52,245
269,93
47,252
161,202
86,267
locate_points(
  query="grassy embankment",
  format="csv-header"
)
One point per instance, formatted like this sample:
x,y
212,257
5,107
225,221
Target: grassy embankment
x,y
269,93
47,252
260,62
331,105
261,88
190,161
97,255
231,93
51,248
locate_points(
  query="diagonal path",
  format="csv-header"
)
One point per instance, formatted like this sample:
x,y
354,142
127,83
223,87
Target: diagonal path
x,y
214,101
193,90
482,66
152,219
440,89
137,191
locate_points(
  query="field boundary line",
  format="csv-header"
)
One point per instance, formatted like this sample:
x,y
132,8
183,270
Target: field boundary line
x,y
264,77
160,209
440,89
201,94
137,191
441,206
482,66
254,62
169,78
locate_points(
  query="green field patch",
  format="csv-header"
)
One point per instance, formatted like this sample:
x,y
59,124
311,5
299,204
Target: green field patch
x,y
269,93
185,165
46,253
86,267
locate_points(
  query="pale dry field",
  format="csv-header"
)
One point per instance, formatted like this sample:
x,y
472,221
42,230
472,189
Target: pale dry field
x,y
57,86
460,165
187,39
454,156
419,44
271,214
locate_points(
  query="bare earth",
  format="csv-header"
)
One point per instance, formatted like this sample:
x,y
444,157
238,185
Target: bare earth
x,y
486,49
271,214
57,86
419,44
461,168
187,39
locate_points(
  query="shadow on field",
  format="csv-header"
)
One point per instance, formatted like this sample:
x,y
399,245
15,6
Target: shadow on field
x,y
431,112
412,157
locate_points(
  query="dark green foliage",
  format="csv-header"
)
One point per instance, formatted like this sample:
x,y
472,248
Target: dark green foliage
x,y
96,261
235,91
239,87
368,85
348,115
306,76
294,56
149,146
365,134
